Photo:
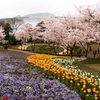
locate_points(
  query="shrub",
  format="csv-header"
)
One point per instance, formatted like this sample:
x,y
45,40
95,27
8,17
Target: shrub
x,y
47,48
76,47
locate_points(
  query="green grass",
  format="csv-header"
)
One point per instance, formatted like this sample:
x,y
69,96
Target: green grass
x,y
45,49
77,51
82,66
91,61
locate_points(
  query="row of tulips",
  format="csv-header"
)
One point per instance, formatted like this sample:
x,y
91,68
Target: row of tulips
x,y
81,84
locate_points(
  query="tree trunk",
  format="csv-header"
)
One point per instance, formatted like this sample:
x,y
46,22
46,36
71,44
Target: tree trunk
x,y
71,49
86,50
33,46
57,47
86,54
48,43
67,50
21,45
71,52
54,48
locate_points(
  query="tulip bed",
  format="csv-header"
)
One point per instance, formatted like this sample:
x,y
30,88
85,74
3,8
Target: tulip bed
x,y
21,81
62,69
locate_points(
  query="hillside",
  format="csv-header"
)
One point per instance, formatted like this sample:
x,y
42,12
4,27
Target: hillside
x,y
38,14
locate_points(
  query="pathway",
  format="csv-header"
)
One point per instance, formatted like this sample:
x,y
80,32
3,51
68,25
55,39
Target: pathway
x,y
90,54
26,52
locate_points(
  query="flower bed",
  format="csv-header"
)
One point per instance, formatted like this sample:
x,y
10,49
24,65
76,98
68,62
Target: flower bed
x,y
20,81
87,87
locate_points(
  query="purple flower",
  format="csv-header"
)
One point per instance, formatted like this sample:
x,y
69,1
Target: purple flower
x,y
48,86
15,77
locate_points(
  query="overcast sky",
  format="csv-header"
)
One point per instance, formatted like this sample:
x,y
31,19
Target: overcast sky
x,y
12,8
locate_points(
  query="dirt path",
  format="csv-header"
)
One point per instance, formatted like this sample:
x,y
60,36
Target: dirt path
x,y
26,52
90,53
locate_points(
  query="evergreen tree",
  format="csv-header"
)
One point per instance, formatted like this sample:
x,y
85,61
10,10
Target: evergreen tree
x,y
13,40
42,28
7,29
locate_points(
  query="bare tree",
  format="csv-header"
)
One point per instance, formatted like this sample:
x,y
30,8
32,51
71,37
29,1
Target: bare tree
x,y
14,23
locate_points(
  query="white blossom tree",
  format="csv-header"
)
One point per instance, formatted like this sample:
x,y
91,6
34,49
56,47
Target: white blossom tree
x,y
1,35
90,19
69,31
28,32
60,32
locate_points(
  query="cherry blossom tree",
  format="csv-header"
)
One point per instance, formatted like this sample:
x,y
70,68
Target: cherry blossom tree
x,y
21,35
32,32
49,35
60,32
69,31
90,19
28,32
1,35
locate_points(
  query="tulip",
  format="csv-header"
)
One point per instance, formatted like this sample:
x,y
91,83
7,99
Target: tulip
x,y
78,84
88,90
96,98
84,91
97,92
87,95
84,86
71,81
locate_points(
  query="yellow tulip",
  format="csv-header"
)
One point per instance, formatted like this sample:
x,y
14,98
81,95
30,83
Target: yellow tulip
x,y
84,86
87,95
88,90
96,98
84,91
58,78
71,77
97,92
78,84
71,81
95,95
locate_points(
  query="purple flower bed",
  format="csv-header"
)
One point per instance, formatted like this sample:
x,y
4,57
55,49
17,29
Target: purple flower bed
x,y
20,81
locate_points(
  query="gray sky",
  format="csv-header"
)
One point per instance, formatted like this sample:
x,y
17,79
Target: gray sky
x,y
12,8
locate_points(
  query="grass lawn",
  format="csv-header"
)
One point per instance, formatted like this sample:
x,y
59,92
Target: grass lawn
x,y
96,66
90,65
45,49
